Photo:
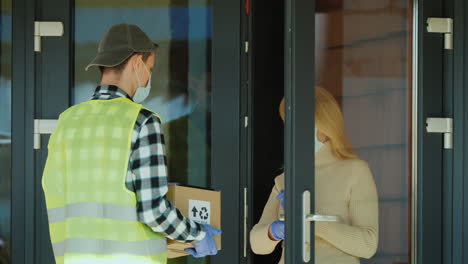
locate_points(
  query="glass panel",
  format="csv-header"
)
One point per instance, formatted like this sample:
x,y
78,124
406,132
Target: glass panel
x,y
5,131
364,59
181,78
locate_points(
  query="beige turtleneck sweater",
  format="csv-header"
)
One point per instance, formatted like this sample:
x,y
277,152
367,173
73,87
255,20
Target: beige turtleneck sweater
x,y
343,188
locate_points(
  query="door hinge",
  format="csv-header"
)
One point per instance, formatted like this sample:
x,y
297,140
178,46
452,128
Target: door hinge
x,y
246,47
46,29
246,121
43,126
444,26
441,126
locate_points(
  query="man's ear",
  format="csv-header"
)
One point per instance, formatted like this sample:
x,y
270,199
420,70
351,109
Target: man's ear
x,y
152,57
134,60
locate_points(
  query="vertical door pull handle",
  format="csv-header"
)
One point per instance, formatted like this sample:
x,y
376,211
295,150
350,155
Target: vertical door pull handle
x,y
307,218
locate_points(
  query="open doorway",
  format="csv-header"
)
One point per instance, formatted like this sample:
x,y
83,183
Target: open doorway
x,y
363,56
268,80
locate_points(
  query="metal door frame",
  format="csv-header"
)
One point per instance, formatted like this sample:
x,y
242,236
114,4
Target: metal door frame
x,y
455,237
427,149
299,125
428,152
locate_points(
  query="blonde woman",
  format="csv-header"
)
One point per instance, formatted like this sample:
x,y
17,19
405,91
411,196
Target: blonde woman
x,y
344,187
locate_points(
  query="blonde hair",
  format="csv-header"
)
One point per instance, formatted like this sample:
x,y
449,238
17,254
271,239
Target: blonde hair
x,y
329,121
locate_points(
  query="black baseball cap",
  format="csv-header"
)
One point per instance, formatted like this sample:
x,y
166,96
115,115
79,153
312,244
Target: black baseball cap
x,y
119,43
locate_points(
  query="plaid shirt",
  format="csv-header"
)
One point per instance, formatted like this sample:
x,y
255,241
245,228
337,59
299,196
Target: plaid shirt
x,y
147,175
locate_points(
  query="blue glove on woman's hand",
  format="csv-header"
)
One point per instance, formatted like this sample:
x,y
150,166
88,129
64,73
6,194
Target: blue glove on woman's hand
x,y
277,229
280,196
207,246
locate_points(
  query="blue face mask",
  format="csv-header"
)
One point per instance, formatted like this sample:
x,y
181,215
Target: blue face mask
x,y
142,92
318,143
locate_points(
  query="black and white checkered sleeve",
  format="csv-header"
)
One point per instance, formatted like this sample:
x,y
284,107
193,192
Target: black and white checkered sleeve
x,y
148,165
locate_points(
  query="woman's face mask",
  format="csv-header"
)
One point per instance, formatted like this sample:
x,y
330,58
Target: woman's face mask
x,y
318,143
142,92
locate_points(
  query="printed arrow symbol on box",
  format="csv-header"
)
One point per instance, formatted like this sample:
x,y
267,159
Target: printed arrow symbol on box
x,y
194,211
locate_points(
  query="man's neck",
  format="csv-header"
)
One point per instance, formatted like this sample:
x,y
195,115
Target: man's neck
x,y
112,79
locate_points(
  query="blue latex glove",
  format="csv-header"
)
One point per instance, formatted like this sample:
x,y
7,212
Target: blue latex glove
x,y
280,196
207,246
277,229
173,183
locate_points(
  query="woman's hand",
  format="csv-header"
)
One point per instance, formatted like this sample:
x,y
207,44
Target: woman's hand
x,y
280,197
276,231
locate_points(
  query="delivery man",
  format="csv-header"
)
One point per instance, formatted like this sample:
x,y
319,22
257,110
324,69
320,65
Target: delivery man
x,y
105,178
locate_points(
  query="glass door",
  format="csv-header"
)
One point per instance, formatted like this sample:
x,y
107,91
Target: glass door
x,y
359,162
190,64
181,80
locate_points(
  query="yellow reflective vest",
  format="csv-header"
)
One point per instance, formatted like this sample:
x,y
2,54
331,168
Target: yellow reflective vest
x,y
92,215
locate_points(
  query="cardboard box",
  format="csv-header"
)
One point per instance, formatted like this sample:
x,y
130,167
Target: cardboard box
x,y
201,205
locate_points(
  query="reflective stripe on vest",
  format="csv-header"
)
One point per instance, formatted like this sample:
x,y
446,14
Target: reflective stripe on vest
x,y
111,211
92,215
106,247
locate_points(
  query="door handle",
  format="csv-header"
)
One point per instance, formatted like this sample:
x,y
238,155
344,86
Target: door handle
x,y
322,218
318,218
307,217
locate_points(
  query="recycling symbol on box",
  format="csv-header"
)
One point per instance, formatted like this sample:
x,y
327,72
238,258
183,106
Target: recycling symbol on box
x,y
204,213
200,211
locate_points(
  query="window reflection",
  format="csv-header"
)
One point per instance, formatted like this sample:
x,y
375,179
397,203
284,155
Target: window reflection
x,y
5,131
364,59
181,78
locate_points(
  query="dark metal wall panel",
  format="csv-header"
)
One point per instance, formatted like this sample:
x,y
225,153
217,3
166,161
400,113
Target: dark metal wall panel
x,y
462,110
457,198
226,124
53,86
430,148
23,95
448,173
